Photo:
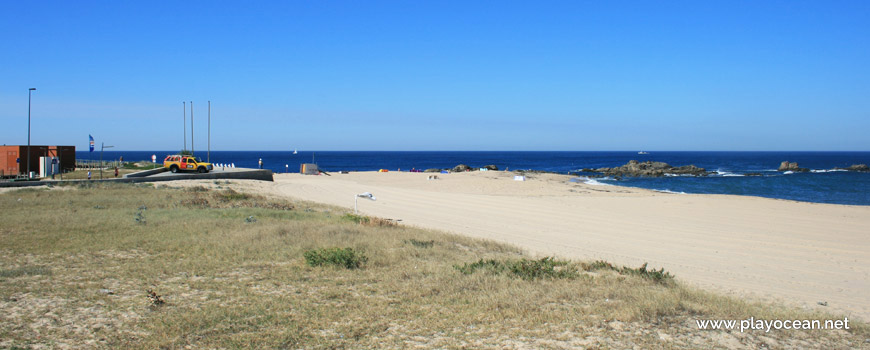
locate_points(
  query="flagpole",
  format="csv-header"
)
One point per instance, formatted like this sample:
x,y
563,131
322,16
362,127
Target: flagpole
x,y
208,154
192,147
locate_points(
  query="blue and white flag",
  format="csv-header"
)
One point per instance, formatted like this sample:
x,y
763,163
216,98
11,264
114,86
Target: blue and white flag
x,y
91,142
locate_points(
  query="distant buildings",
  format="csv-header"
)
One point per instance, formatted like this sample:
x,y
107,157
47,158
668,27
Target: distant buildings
x,y
13,159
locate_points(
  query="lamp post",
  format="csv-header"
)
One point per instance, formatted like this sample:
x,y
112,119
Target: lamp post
x,y
29,91
362,195
102,147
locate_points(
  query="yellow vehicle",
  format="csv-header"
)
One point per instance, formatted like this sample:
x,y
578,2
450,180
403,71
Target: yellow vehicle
x,y
176,163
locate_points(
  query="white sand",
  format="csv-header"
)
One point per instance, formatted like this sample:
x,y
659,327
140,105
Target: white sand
x,y
793,252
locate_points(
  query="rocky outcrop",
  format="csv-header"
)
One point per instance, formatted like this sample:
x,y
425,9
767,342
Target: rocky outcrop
x,y
460,168
490,167
856,167
649,168
432,170
791,166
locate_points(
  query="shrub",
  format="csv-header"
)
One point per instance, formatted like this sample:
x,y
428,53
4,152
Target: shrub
x,y
369,221
356,218
421,244
526,269
230,195
342,257
659,276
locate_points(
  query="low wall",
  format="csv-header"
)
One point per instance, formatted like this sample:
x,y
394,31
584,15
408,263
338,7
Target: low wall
x,y
148,172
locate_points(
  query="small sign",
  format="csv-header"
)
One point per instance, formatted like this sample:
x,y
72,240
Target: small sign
x,y
53,160
519,178
18,160
154,158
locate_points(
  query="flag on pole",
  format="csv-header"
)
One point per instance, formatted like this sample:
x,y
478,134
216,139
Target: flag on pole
x,y
91,142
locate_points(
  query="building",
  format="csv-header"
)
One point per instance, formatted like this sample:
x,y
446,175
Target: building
x,y
13,158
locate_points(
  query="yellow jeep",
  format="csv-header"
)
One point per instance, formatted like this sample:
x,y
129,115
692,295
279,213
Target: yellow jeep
x,y
177,163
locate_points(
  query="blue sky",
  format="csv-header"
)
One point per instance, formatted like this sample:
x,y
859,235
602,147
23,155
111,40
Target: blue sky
x,y
440,75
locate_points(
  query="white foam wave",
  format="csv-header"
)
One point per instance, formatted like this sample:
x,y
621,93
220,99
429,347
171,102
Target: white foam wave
x,y
727,173
827,170
669,191
591,181
788,172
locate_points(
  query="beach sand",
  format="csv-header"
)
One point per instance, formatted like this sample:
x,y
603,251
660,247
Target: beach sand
x,y
795,253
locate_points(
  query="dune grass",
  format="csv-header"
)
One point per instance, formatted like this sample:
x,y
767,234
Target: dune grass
x,y
82,268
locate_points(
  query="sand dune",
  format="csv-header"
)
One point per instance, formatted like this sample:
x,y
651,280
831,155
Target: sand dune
x,y
793,252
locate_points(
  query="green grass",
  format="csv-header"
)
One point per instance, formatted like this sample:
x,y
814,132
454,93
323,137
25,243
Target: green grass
x,y
77,276
527,269
341,257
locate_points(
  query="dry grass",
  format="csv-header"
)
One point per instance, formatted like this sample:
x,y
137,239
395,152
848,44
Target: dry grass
x,y
78,268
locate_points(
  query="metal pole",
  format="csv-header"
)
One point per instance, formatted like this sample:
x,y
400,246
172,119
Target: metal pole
x,y
355,198
102,146
28,130
208,154
184,124
192,147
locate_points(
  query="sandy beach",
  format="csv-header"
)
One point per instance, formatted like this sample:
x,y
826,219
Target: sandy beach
x,y
796,253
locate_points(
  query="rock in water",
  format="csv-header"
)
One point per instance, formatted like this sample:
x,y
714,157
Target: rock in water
x,y
650,168
490,167
856,167
460,168
791,166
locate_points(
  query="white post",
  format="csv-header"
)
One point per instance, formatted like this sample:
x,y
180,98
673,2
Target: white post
x,y
355,198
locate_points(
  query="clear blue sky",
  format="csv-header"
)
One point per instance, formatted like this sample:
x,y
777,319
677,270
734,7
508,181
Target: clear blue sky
x,y
439,75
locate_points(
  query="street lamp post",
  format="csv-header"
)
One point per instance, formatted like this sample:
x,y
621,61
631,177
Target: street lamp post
x,y
28,131
102,147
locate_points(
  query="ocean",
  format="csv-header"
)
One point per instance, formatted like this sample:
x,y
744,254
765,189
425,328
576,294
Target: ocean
x,y
823,184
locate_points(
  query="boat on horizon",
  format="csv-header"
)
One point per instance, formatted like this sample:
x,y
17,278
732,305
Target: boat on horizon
x,y
294,152
642,152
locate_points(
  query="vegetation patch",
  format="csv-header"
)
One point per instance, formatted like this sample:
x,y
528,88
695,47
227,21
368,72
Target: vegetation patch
x,y
659,276
370,221
230,195
25,271
421,244
341,257
527,269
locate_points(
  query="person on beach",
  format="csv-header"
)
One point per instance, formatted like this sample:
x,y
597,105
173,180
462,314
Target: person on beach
x,y
116,171
89,174
261,163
